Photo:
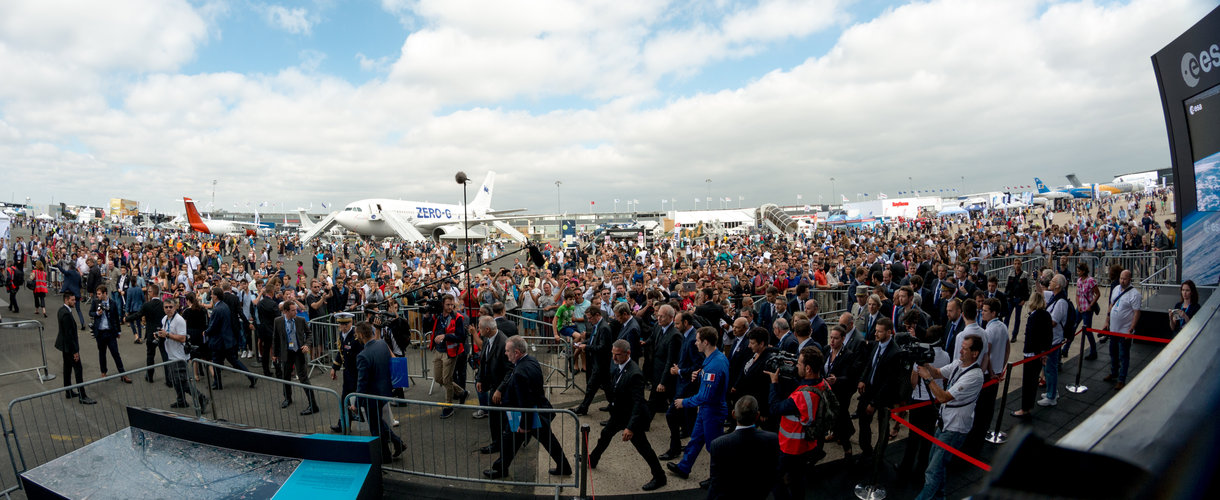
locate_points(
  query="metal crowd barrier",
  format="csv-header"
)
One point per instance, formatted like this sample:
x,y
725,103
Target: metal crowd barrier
x,y
22,345
554,356
448,449
260,406
8,479
48,425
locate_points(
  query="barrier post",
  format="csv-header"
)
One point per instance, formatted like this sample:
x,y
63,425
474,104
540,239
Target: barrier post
x,y
998,436
1078,388
873,490
583,460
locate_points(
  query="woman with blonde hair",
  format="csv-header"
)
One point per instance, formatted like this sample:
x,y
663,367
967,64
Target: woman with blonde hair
x,y
1039,329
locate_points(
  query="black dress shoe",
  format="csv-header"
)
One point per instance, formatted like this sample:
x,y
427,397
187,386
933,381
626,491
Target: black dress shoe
x,y
604,423
489,449
561,471
493,473
604,408
582,411
336,428
675,470
398,449
285,403
148,378
71,394
656,482
309,410
670,455
253,381
203,403
178,404
704,484
85,400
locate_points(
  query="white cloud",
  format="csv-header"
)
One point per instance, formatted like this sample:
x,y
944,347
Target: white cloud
x,y
994,91
297,20
380,64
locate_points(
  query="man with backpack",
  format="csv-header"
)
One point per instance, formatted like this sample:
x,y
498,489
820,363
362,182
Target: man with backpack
x,y
805,415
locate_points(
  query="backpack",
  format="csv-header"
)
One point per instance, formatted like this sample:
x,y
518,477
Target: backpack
x,y
16,277
1073,319
827,412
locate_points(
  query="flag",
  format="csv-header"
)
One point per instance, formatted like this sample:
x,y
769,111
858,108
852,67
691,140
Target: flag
x,y
741,198
882,196
591,203
844,198
324,205
865,195
798,196
616,200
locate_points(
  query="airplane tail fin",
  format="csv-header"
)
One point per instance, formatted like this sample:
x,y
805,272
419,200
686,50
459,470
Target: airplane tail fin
x,y
482,199
1041,187
306,222
192,216
1075,182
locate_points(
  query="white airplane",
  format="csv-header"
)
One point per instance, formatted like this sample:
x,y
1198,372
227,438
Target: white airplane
x,y
212,226
308,223
417,221
1109,188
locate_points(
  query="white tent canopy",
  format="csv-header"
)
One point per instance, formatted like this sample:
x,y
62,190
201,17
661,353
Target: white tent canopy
x,y
4,223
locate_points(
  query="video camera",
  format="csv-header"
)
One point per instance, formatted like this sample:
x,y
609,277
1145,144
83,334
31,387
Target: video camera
x,y
913,352
783,363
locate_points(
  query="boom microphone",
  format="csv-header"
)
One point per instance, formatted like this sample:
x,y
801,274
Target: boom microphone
x,y
461,177
535,255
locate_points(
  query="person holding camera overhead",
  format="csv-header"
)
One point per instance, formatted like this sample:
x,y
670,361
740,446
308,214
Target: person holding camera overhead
x,y
794,410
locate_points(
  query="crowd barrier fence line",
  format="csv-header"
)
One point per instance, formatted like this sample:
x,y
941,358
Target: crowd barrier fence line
x,y
6,488
451,458
257,409
43,373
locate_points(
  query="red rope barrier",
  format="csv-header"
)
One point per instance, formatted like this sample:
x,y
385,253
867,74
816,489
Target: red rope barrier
x,y
973,461
922,404
1042,355
1130,336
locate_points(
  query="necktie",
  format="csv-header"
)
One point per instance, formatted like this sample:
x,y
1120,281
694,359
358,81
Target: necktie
x,y
876,355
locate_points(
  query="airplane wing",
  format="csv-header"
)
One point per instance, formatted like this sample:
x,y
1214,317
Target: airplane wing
x,y
405,229
509,230
319,228
502,212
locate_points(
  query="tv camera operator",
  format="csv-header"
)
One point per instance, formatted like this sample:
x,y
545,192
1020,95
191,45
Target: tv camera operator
x,y
800,444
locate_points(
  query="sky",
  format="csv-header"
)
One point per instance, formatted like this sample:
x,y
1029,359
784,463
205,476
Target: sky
x,y
318,102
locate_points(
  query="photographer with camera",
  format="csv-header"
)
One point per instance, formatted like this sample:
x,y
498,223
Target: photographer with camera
x,y
965,381
172,334
106,321
799,410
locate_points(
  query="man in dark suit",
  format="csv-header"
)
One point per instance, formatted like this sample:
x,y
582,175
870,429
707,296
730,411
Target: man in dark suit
x,y
739,350
667,351
94,279
785,340
682,420
72,285
68,343
598,351
492,377
628,413
503,324
223,343
290,343
373,378
524,390
880,381
631,329
817,326
106,321
745,461
753,382
711,311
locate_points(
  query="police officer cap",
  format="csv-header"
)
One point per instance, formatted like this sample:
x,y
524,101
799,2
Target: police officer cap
x,y
862,291
344,317
946,286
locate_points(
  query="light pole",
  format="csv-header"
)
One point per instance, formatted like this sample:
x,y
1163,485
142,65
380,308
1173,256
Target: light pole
x,y
709,189
558,204
832,191
963,185
911,184
462,179
213,198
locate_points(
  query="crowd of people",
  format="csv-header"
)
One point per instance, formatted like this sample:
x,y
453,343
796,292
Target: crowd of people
x,y
761,349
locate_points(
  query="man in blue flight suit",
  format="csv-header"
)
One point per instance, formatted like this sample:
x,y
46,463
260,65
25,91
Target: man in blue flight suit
x,y
713,408
349,349
681,420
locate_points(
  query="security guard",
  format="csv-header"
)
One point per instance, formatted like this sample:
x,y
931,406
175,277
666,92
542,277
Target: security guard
x,y
713,408
349,347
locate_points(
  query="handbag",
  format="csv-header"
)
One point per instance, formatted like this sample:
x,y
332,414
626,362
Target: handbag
x,y
400,377
1095,309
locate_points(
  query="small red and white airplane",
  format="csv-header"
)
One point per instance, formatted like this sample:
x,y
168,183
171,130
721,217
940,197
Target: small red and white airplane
x,y
212,226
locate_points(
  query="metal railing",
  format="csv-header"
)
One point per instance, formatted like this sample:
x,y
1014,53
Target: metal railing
x,y
260,406
20,344
1160,266
48,425
448,449
8,475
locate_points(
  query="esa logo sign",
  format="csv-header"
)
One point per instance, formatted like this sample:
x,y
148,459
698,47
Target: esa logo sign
x,y
1194,66
432,213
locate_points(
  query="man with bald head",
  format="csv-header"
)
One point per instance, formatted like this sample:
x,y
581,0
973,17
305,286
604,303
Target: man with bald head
x,y
739,352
